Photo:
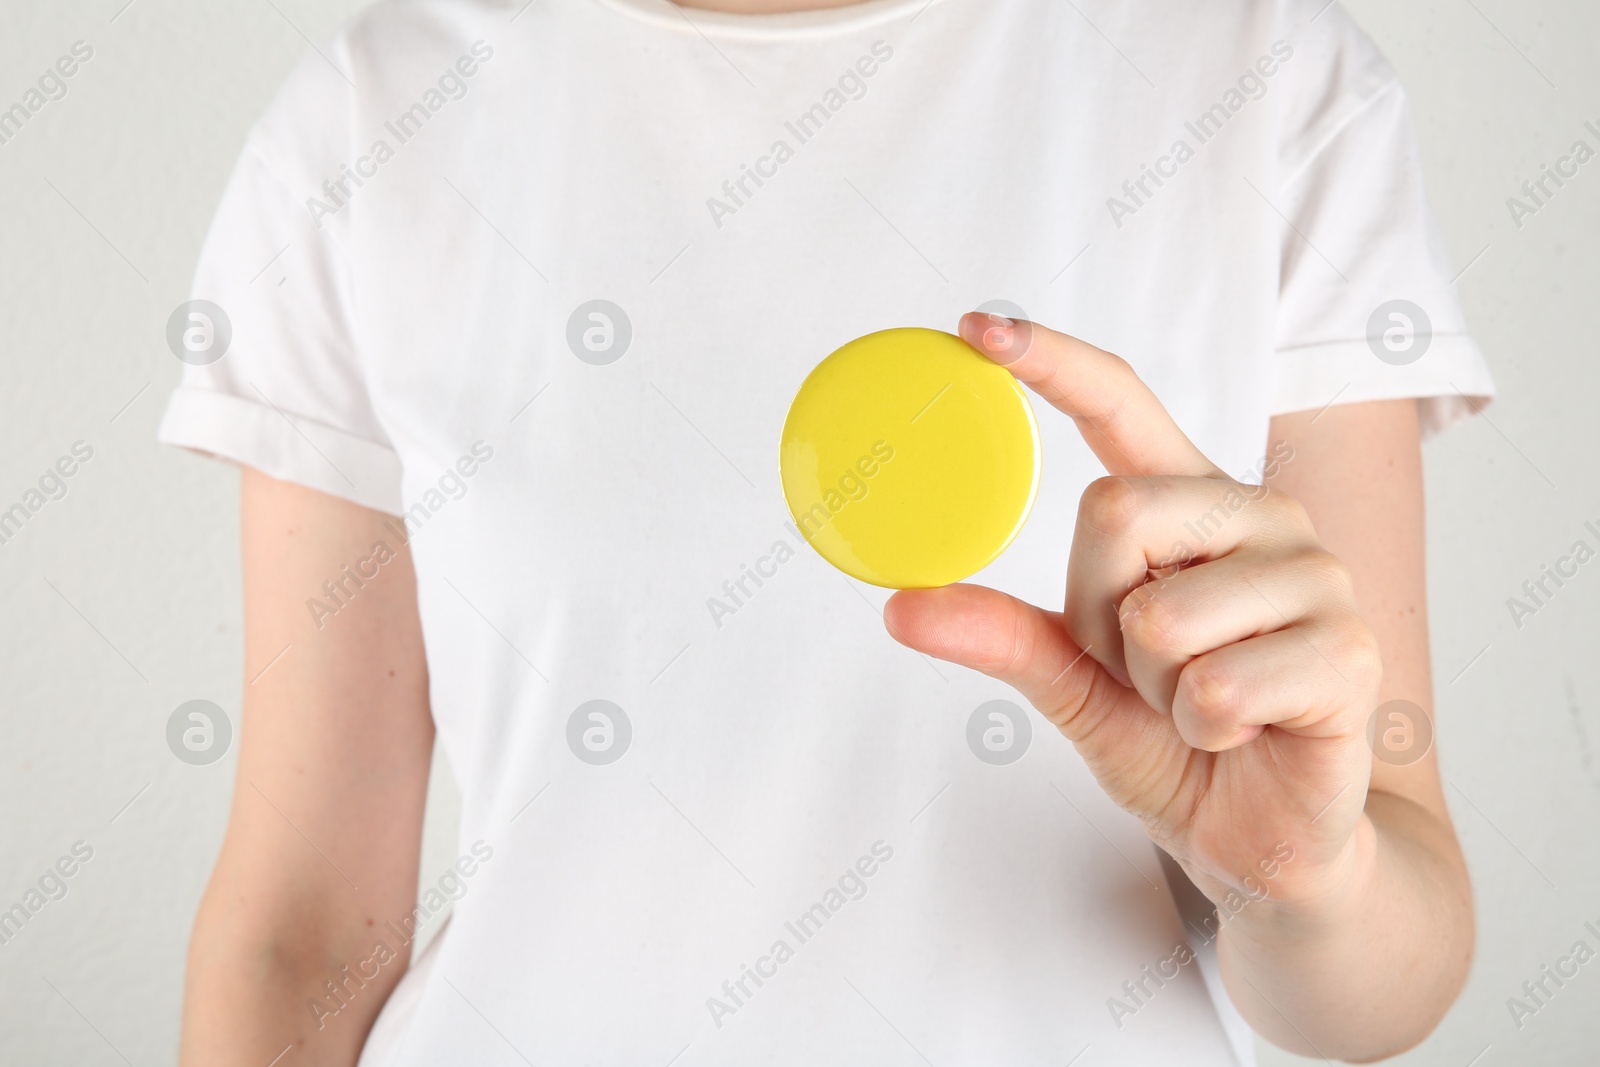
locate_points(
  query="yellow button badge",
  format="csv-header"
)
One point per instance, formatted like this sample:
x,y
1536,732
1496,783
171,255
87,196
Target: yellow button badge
x,y
909,460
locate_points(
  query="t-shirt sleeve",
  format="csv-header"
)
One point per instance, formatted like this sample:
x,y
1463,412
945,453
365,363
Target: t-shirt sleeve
x,y
1367,309
288,396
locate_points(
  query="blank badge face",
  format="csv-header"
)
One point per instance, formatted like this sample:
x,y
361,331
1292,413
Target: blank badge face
x,y
909,460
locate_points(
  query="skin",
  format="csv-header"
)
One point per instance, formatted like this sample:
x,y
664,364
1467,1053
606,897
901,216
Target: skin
x,y
335,746
1225,701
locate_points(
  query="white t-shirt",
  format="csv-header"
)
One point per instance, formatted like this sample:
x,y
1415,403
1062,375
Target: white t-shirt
x,y
795,854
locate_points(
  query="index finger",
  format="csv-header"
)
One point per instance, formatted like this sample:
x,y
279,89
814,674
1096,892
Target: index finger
x,y
1115,411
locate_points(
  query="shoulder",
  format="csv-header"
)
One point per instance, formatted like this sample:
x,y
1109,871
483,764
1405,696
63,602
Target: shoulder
x,y
1311,54
1336,73
382,60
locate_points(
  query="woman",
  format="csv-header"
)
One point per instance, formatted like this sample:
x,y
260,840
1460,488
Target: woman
x,y
519,294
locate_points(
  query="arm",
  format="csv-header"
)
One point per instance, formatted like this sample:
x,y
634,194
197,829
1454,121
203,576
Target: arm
x,y
1386,960
1221,652
323,838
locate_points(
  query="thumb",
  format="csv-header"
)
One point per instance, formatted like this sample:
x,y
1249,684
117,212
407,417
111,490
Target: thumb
x,y
1027,648
1005,638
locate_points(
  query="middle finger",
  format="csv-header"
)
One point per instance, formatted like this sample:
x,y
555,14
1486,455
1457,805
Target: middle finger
x,y
1129,527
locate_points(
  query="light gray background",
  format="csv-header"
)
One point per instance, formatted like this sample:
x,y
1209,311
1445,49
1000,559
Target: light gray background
x,y
121,601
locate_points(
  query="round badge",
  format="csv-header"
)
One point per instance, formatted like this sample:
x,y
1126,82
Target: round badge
x,y
909,460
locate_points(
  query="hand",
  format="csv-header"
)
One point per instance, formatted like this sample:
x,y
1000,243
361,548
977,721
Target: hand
x,y
1217,689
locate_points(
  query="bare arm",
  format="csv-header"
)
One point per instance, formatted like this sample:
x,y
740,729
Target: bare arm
x,y
1221,652
323,838
1390,958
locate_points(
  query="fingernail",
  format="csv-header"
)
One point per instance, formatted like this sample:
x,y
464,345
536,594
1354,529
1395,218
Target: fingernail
x,y
995,338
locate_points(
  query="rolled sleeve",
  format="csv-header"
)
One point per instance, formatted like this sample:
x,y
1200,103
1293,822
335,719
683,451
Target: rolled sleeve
x,y
1363,264
288,447
289,396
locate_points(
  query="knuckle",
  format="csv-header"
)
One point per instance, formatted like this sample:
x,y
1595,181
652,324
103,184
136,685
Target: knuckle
x,y
1119,366
1110,505
1327,570
1150,620
1078,708
1288,510
1361,655
1018,647
1007,647
1211,690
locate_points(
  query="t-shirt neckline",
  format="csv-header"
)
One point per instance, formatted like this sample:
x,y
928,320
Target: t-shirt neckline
x,y
793,24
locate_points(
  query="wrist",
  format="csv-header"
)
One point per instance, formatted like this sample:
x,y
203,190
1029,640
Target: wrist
x,y
1317,898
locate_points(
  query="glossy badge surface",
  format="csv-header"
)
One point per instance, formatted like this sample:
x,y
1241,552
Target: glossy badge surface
x,y
909,460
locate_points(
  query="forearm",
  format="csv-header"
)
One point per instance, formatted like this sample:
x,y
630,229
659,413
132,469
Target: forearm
x,y
1368,970
259,974
292,947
